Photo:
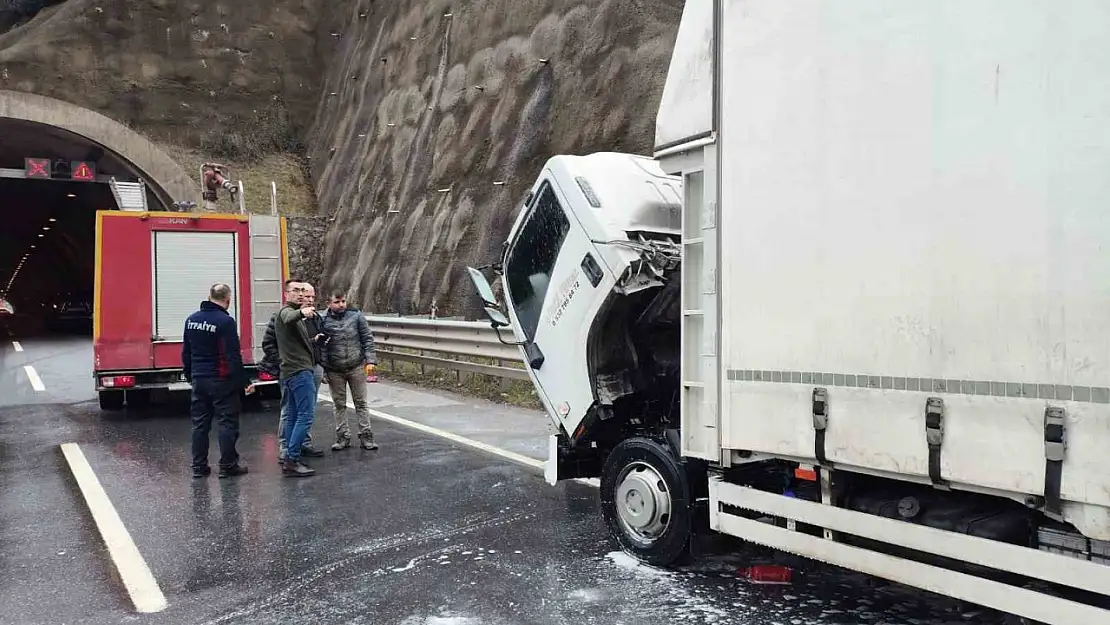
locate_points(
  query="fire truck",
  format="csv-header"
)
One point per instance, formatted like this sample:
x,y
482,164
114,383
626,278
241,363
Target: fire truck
x,y
153,268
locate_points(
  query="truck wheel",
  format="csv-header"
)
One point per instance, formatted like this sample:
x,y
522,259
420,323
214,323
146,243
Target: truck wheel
x,y
111,400
645,499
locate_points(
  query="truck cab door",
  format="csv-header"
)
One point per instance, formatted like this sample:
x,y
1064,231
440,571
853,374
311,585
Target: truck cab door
x,y
555,282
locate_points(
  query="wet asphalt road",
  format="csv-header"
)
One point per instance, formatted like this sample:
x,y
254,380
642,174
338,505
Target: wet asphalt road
x,y
423,531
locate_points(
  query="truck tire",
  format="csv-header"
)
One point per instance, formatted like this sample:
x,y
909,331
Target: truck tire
x,y
645,499
111,400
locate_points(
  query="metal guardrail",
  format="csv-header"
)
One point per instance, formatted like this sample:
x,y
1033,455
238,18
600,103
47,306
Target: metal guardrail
x,y
449,340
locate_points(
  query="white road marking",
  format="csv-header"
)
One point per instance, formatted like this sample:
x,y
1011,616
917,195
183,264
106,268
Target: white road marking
x,y
133,570
33,377
462,440
17,346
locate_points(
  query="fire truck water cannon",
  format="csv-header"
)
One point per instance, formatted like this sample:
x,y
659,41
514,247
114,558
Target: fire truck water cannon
x,y
213,179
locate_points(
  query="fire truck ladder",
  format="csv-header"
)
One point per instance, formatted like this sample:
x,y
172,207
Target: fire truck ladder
x,y
130,196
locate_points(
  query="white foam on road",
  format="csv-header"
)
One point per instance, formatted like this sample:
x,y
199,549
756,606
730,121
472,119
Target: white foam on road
x,y
462,440
133,570
17,346
33,377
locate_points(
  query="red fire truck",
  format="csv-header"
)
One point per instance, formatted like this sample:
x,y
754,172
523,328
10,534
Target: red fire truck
x,y
152,271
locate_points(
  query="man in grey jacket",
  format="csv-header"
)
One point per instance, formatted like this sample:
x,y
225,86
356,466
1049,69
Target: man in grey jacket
x,y
347,357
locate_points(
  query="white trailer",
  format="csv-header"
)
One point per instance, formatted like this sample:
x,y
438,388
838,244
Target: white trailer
x,y
857,306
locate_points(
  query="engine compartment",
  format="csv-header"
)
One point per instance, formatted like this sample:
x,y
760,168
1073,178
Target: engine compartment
x,y
634,360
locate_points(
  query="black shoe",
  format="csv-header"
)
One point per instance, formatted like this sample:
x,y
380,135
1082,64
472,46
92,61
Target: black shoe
x,y
199,472
232,471
311,452
295,469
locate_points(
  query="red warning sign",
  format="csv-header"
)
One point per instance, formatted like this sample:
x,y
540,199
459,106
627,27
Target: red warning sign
x,y
83,171
36,168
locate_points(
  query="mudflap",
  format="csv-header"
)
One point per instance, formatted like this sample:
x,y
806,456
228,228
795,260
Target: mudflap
x,y
551,466
697,474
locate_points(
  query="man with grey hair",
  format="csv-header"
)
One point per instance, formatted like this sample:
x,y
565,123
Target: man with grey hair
x,y
213,365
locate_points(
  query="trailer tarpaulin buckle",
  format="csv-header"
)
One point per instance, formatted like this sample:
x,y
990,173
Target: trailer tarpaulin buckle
x,y
934,438
1054,448
820,423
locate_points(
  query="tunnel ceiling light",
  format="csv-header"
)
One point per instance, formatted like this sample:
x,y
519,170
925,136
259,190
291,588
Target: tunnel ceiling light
x,y
46,227
41,235
32,247
52,219
71,195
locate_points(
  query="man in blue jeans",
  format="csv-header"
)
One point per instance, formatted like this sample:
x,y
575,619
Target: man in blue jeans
x,y
298,383
271,364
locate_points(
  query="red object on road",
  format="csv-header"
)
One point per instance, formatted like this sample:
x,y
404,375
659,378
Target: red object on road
x,y
371,378
767,574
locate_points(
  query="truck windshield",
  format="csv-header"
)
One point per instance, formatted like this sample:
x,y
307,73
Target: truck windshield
x,y
533,257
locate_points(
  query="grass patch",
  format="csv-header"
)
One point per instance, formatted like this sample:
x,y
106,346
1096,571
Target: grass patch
x,y
294,190
491,388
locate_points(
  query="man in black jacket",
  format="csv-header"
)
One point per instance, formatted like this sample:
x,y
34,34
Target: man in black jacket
x,y
348,357
271,364
213,364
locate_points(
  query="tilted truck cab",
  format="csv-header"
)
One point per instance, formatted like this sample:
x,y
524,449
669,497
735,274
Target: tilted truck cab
x,y
153,269
585,277
854,308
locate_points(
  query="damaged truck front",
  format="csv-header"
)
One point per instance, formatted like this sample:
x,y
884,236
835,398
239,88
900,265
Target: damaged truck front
x,y
592,271
855,306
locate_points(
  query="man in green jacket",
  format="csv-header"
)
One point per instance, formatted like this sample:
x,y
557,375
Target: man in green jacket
x,y
271,364
298,362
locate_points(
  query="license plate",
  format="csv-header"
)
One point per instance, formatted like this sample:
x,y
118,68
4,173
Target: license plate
x,y
180,386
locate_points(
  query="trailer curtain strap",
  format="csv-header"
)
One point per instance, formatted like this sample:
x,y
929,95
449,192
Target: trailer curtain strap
x,y
820,423
1054,447
934,438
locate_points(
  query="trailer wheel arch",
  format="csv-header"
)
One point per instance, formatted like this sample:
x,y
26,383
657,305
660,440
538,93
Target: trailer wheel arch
x,y
650,460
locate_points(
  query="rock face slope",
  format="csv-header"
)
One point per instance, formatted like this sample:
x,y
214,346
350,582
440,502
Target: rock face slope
x,y
209,79
428,103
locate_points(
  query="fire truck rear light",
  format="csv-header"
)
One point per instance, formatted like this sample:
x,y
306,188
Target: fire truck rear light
x,y
118,381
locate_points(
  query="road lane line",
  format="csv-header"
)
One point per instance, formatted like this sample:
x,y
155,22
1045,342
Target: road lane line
x,y
33,377
133,570
462,440
17,346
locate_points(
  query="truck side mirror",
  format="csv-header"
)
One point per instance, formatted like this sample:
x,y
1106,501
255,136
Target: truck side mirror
x,y
484,290
497,319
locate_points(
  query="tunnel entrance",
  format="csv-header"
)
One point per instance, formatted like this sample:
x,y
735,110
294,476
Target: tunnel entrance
x,y
52,182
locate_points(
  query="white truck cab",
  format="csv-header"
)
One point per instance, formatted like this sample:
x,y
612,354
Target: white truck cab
x,y
594,231
854,307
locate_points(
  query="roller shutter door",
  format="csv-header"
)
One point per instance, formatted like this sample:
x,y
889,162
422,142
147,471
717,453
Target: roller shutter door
x,y
186,265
